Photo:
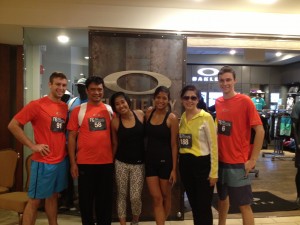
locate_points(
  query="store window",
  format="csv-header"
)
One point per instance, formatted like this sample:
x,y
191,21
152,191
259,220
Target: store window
x,y
44,54
212,96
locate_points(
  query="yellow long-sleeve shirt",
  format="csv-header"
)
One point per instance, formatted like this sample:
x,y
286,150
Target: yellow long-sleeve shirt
x,y
198,136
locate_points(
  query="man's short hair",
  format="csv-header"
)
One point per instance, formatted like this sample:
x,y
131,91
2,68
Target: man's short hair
x,y
57,75
94,79
226,69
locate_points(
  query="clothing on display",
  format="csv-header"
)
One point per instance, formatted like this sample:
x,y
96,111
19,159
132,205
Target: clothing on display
x,y
259,102
257,97
289,103
280,130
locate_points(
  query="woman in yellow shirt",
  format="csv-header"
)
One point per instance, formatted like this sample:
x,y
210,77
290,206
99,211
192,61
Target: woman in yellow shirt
x,y
198,160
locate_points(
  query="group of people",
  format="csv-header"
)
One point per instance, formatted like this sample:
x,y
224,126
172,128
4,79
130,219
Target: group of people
x,y
107,142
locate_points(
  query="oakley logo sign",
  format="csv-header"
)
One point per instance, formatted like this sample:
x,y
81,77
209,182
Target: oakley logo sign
x,y
111,81
206,74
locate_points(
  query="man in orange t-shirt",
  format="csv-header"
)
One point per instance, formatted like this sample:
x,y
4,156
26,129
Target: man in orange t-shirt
x,y
48,170
93,164
236,115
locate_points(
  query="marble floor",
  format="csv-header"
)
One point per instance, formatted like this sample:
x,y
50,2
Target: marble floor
x,y
276,176
9,219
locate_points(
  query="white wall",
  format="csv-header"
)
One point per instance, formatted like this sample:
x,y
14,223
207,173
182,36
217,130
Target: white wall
x,y
75,14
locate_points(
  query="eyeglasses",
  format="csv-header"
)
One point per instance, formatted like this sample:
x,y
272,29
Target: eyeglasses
x,y
186,98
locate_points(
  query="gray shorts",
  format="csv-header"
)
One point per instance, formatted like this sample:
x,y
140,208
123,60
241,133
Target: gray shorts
x,y
234,183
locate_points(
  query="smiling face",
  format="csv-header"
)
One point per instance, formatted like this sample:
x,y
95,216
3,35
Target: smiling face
x,y
121,105
95,93
190,100
161,100
57,87
226,83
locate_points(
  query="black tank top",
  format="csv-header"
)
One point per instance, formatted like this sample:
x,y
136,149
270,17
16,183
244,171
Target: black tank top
x,y
158,141
131,143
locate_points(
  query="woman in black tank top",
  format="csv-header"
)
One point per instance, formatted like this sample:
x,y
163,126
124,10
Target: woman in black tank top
x,y
161,153
128,149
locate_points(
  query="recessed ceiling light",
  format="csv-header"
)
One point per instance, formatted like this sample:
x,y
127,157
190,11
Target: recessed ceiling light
x,y
278,54
86,57
232,52
63,38
265,2
81,74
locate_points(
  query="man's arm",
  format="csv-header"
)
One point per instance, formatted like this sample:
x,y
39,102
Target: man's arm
x,y
71,150
17,130
114,135
295,131
257,145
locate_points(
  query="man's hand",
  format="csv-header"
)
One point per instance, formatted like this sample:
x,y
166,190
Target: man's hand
x,y
249,165
41,148
74,171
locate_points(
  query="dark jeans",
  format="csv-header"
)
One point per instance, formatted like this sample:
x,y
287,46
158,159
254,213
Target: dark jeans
x,y
95,188
297,180
194,173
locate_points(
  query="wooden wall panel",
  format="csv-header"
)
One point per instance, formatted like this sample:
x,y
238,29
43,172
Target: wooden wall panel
x,y
6,95
111,52
11,92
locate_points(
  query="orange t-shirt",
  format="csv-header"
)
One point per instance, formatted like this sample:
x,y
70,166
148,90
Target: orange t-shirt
x,y
94,136
48,119
235,117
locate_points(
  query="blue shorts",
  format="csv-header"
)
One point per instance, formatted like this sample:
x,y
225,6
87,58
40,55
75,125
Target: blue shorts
x,y
47,179
234,183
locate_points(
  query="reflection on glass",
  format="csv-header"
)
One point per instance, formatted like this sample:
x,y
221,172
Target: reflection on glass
x,y
212,96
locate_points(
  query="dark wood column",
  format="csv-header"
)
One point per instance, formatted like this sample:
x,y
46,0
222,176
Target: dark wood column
x,y
11,92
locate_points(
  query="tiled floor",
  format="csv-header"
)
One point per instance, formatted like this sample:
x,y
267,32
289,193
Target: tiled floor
x,y
276,176
73,220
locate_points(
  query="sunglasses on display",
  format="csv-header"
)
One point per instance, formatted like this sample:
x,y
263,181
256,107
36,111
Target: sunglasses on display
x,y
186,98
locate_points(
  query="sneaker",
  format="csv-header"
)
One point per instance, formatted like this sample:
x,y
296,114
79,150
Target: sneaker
x,y
64,207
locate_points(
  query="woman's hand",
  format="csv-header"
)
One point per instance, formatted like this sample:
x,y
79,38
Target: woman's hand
x,y
173,177
212,181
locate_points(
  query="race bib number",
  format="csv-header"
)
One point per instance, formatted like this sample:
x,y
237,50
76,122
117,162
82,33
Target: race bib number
x,y
185,140
58,124
224,127
97,124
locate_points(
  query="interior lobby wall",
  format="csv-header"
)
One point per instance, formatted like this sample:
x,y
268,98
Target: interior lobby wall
x,y
111,53
84,14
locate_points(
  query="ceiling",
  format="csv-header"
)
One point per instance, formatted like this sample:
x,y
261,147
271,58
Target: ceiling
x,y
79,37
281,6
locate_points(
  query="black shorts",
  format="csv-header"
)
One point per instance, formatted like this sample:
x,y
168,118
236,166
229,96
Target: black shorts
x,y
161,169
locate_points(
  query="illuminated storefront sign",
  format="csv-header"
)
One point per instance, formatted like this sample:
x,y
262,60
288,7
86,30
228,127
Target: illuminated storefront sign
x,y
206,74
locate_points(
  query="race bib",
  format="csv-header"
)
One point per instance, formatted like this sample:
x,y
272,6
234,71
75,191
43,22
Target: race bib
x,y
224,127
96,124
58,124
185,140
